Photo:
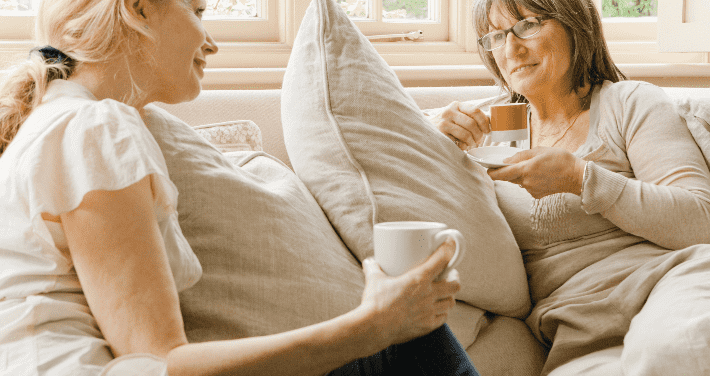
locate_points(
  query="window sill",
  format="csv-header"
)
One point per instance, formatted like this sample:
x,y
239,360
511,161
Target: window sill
x,y
455,75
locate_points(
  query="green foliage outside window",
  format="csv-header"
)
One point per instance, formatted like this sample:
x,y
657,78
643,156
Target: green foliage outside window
x,y
630,8
417,9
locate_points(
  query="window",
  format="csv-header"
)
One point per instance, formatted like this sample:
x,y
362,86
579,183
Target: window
x,y
243,20
256,36
684,26
385,17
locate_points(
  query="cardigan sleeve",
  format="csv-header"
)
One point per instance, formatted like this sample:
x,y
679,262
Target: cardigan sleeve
x,y
658,186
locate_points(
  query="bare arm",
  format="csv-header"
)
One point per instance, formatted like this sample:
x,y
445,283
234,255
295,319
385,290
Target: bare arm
x,y
122,265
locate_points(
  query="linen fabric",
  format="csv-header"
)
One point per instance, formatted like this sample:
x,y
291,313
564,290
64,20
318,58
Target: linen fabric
x,y
70,145
606,268
366,152
271,260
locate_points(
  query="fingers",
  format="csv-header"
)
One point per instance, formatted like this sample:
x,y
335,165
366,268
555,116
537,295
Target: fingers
x,y
442,307
513,174
468,126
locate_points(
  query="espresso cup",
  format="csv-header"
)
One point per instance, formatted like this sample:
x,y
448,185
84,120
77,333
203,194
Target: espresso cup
x,y
509,122
400,246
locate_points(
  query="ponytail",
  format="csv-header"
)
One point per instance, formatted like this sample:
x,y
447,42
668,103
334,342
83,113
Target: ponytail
x,y
24,88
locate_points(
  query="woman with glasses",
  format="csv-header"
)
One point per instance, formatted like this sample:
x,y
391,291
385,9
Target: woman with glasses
x,y
610,196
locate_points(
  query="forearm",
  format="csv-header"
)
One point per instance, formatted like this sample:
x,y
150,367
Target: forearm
x,y
313,350
671,217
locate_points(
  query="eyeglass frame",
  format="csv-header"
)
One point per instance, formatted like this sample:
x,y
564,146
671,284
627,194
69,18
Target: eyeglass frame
x,y
540,19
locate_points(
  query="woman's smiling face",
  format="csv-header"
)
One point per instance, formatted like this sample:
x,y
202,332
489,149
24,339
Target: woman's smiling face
x,y
538,65
182,47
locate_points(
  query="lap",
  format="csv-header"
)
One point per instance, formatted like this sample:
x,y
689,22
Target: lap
x,y
671,334
593,309
668,334
436,354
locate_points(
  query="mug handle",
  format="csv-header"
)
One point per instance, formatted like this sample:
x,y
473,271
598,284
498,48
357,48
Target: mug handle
x,y
440,238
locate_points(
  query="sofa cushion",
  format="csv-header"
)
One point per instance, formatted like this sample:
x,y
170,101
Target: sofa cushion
x,y
271,260
367,153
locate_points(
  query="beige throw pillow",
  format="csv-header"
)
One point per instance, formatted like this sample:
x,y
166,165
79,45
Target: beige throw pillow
x,y
271,260
365,151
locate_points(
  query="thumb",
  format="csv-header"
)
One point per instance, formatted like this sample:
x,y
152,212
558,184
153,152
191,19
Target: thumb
x,y
519,157
469,108
439,260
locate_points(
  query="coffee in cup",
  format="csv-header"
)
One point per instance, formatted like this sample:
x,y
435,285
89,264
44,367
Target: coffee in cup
x,y
400,246
509,122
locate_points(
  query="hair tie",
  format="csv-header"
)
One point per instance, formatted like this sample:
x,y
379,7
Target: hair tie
x,y
52,55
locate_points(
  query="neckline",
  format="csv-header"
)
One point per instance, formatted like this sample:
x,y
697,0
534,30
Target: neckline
x,y
593,121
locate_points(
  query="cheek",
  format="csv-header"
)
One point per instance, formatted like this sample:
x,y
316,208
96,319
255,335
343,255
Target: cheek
x,y
500,63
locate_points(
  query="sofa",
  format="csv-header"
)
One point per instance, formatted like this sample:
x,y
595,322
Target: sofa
x,y
242,120
497,344
279,191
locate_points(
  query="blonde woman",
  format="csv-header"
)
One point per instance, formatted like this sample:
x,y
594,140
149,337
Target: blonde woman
x,y
91,251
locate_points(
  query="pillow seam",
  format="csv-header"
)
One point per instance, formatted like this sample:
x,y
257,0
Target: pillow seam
x,y
334,123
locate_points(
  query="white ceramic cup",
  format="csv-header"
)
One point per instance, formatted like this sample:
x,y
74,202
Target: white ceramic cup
x,y
400,246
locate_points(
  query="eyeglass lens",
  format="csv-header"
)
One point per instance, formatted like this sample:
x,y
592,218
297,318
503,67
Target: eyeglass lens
x,y
523,29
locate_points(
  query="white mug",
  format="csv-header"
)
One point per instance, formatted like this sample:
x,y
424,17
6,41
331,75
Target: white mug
x,y
400,246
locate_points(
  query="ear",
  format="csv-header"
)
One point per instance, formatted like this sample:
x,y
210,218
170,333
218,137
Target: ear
x,y
141,9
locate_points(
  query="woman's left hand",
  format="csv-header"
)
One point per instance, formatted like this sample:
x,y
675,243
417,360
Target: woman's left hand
x,y
543,171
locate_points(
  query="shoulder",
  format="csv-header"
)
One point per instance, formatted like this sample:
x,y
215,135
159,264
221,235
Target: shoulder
x,y
632,93
629,106
106,113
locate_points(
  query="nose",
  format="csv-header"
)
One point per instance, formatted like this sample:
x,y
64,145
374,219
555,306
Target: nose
x,y
513,47
210,46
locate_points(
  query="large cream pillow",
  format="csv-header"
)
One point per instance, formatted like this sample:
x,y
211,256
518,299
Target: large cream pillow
x,y
271,260
364,149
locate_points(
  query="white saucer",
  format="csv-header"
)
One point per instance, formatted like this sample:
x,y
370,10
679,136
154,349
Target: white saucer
x,y
493,156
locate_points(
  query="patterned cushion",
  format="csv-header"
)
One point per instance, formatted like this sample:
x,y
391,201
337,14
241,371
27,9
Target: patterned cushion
x,y
238,135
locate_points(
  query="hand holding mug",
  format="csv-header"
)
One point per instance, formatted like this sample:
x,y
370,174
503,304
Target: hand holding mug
x,y
413,304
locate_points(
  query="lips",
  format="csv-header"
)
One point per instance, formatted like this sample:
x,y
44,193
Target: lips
x,y
200,64
522,68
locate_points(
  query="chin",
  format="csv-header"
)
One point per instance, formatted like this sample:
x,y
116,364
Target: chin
x,y
184,94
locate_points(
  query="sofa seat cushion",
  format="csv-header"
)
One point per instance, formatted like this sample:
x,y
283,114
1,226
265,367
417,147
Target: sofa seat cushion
x,y
367,153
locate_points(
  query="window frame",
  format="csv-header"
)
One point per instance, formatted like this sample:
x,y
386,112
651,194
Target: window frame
x,y
260,62
678,35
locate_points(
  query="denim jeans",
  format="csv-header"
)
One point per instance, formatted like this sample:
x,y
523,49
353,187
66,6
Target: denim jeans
x,y
438,353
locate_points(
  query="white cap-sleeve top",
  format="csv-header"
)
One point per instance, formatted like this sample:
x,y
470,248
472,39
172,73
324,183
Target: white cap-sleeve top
x,y
70,145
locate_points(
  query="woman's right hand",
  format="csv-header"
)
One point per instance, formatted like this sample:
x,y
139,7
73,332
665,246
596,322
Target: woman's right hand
x,y
415,303
464,123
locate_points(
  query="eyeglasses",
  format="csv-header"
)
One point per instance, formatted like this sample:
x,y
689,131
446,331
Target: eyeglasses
x,y
523,29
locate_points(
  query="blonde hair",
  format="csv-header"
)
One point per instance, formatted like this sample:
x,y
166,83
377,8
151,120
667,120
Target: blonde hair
x,y
88,31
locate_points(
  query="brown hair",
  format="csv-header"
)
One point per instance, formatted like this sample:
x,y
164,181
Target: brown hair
x,y
86,31
590,61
